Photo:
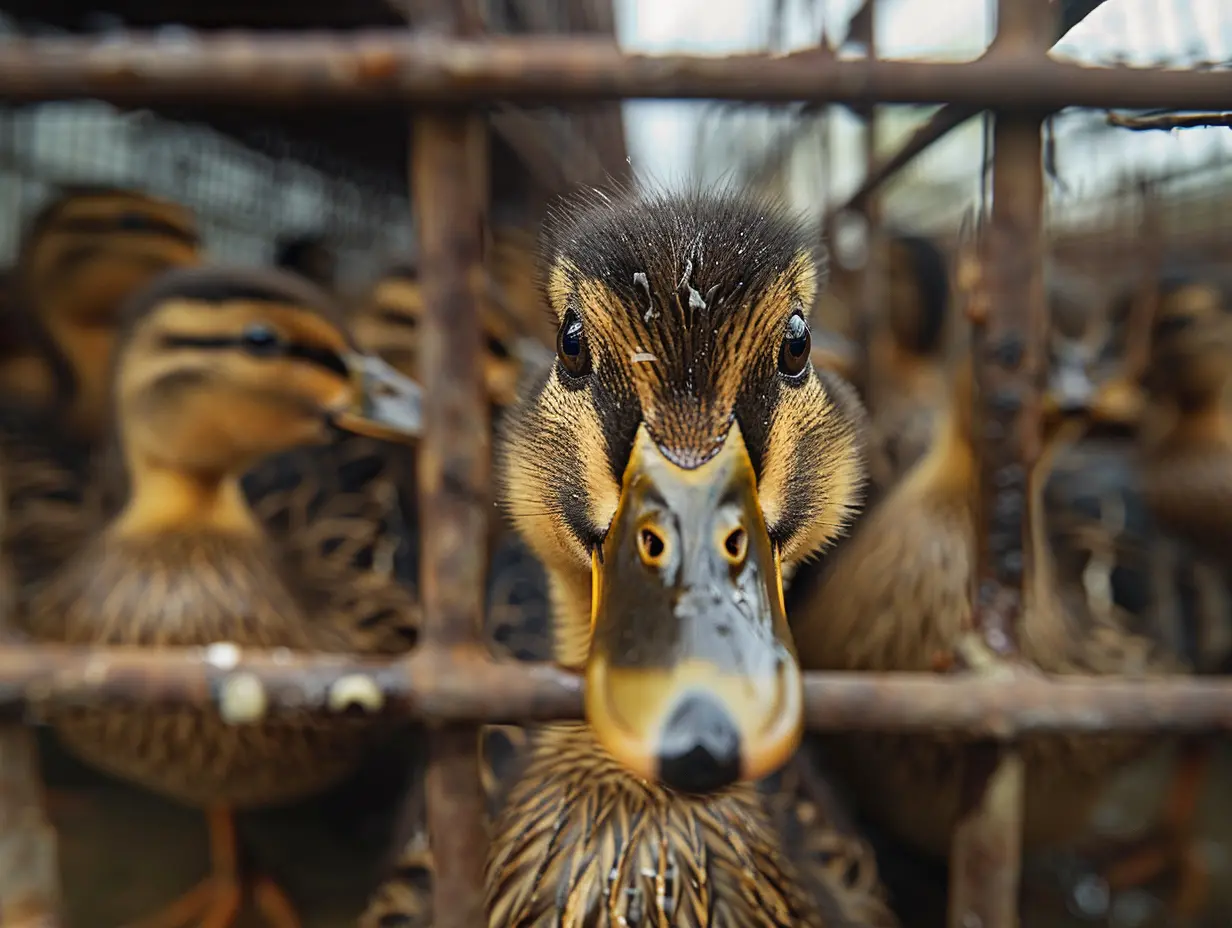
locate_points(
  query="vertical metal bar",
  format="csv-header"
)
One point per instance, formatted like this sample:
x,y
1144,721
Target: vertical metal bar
x,y
874,267
454,464
29,871
1009,345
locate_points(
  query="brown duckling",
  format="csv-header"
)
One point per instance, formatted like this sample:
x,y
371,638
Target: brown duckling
x,y
82,256
896,597
908,355
681,450
215,370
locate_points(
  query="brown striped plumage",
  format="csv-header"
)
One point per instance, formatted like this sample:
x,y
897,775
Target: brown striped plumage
x,y
577,840
219,374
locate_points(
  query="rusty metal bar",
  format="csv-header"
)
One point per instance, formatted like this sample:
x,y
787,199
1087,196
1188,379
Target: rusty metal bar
x,y
461,686
950,117
29,871
449,187
391,67
985,860
872,275
1166,122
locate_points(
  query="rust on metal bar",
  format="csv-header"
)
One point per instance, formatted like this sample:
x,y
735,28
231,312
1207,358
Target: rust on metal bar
x,y
455,685
29,870
875,259
1166,122
1008,341
463,686
450,194
390,67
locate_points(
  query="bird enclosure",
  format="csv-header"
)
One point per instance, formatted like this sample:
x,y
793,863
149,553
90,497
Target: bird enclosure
x,y
350,90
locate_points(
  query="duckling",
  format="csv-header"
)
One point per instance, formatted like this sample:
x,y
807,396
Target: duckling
x,y
24,369
1187,435
1184,445
896,597
907,355
83,254
679,451
387,323
216,369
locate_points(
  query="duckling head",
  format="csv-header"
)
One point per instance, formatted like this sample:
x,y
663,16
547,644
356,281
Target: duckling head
x,y
389,320
681,452
83,255
217,368
1191,343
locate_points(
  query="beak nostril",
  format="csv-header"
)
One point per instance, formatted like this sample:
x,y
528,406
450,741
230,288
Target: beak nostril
x,y
651,546
736,546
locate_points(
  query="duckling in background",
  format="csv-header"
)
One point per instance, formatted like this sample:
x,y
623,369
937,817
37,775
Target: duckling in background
x,y
1187,431
908,352
310,256
1134,557
896,597
82,256
677,454
217,369
387,323
24,351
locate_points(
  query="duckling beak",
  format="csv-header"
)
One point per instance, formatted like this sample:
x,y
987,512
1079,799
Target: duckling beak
x,y
1070,390
692,680
385,404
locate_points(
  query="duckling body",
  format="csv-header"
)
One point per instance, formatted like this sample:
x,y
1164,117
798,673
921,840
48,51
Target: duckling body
x,y
214,587
218,369
683,341
896,597
907,354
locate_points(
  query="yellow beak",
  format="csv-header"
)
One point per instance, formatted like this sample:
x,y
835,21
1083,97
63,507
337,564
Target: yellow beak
x,y
692,679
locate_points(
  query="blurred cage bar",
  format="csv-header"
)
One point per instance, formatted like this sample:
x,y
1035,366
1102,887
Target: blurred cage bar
x,y
346,88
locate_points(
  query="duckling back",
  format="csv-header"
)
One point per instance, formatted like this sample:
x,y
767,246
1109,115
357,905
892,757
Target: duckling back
x,y
207,590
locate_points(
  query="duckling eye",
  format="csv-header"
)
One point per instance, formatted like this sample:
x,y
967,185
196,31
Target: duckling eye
x,y
794,353
260,339
571,345
133,222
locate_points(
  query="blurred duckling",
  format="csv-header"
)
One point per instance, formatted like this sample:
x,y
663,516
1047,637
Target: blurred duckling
x,y
216,369
82,256
896,597
908,355
1146,463
387,322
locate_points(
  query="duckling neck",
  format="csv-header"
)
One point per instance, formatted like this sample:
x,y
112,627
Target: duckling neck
x,y
570,593
949,468
168,499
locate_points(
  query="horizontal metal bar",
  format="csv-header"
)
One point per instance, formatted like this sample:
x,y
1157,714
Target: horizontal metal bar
x,y
374,67
461,685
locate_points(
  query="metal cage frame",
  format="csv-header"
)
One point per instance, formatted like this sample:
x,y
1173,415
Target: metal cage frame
x,y
450,680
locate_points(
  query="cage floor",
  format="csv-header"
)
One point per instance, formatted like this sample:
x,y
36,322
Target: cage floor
x,y
124,853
